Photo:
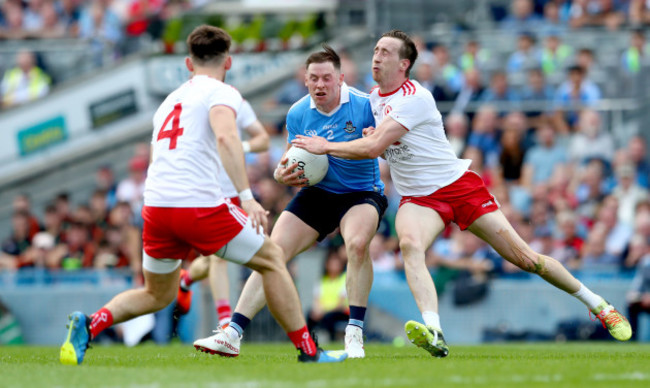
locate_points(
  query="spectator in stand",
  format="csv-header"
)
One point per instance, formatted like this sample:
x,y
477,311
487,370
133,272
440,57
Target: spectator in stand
x,y
474,57
12,27
424,74
521,18
589,189
618,234
33,17
62,203
112,250
555,56
99,25
448,75
590,140
23,203
69,14
38,254
484,134
629,193
456,127
639,295
351,73
585,58
543,158
569,242
597,13
500,91
636,56
293,90
105,181
330,304
470,92
99,215
639,12
52,27
636,150
424,54
511,158
526,57
576,91
383,258
24,83
594,254
17,243
78,250
539,91
552,23
131,189
120,218
53,224
478,165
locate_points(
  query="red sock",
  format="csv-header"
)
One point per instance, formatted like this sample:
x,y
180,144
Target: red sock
x,y
224,311
101,320
302,340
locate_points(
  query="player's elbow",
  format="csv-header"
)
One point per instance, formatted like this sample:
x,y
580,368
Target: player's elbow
x,y
374,152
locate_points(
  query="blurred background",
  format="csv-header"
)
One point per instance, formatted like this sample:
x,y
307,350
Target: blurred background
x,y
549,98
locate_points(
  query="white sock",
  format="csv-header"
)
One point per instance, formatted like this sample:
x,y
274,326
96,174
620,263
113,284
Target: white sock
x,y
587,297
232,333
432,319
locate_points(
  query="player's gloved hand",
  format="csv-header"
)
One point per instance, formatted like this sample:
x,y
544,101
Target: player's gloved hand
x,y
287,176
257,214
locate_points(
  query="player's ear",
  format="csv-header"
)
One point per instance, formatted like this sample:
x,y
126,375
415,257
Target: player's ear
x,y
189,64
228,63
341,79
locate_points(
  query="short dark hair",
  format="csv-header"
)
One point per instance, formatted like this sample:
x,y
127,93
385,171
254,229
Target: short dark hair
x,y
208,44
408,49
326,55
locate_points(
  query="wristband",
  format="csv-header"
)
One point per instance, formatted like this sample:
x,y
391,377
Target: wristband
x,y
245,195
246,146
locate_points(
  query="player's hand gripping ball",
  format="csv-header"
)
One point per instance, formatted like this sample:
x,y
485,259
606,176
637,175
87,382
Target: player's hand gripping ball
x,y
314,167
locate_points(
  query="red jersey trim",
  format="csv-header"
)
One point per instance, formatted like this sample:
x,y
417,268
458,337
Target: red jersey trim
x,y
393,92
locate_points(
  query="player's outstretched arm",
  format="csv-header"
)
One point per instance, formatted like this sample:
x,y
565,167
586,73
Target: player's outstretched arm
x,y
369,147
222,121
258,140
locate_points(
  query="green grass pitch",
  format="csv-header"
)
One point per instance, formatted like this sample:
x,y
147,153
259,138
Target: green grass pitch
x,y
612,365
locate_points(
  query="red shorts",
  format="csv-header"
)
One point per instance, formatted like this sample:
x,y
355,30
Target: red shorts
x,y
462,202
171,233
193,254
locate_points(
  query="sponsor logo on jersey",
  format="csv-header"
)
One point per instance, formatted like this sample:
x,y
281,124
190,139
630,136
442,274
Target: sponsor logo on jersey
x,y
311,132
387,110
349,128
488,203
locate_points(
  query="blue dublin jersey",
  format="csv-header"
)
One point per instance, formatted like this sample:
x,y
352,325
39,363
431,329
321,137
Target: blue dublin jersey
x,y
344,123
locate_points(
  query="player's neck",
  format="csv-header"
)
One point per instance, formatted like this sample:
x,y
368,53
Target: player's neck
x,y
217,74
391,85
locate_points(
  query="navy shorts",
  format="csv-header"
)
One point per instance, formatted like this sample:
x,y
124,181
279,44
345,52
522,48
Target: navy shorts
x,y
323,210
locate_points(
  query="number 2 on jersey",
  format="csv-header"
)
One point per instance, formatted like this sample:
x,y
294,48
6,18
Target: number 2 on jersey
x,y
176,131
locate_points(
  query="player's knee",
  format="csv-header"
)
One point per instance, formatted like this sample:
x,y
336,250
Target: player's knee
x,y
408,244
271,258
356,247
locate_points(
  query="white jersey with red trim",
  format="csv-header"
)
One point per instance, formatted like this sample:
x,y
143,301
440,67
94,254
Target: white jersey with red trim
x,y
185,167
245,117
422,160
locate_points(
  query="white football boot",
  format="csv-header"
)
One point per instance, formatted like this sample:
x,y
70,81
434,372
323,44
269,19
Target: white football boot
x,y
221,343
354,342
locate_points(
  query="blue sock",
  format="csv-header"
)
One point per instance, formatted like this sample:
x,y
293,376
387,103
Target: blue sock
x,y
239,323
357,314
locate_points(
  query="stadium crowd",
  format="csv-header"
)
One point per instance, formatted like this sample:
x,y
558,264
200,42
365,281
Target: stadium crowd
x,y
569,187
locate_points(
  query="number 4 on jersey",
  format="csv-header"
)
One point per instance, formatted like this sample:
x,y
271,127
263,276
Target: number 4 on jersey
x,y
176,131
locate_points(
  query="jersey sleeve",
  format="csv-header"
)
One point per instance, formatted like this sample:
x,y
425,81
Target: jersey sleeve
x,y
246,115
408,111
293,123
226,95
368,118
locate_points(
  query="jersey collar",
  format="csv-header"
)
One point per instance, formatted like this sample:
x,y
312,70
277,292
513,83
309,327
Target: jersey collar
x,y
345,97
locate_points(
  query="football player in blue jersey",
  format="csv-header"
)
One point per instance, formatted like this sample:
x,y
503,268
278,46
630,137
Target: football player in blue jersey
x,y
351,196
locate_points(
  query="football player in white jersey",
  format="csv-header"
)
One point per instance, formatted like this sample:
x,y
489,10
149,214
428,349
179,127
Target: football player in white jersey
x,y
213,266
436,189
185,208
